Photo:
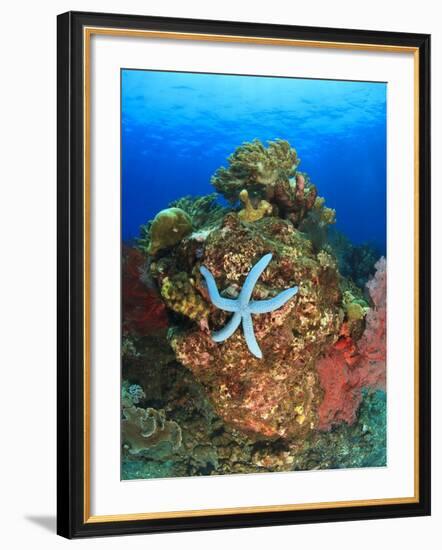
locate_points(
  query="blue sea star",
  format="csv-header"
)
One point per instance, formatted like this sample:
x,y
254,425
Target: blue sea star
x,y
243,308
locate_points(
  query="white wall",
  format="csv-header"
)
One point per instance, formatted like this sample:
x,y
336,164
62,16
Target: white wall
x,y
27,289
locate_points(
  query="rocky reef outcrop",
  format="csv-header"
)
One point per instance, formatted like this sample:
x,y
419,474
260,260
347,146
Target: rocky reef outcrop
x,y
322,350
278,395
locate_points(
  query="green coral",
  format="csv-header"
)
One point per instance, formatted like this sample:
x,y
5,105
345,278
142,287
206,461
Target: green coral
x,y
168,228
181,296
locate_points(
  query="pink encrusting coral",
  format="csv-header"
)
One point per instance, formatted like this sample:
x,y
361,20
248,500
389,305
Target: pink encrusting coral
x,y
350,366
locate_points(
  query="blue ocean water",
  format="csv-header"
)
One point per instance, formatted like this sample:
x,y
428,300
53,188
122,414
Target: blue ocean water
x,y
178,128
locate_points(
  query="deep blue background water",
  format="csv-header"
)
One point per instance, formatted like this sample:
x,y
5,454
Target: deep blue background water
x,y
178,128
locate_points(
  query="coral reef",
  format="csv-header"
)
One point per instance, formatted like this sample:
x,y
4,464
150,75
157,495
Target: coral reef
x,y
209,446
340,382
299,386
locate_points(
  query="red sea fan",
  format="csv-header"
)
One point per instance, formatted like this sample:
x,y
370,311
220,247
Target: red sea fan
x,y
143,310
349,367
342,394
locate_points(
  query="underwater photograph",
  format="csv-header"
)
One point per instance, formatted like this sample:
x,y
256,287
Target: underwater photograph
x,y
253,274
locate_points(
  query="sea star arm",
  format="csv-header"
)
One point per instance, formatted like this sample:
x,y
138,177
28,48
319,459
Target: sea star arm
x,y
228,329
265,306
252,278
249,335
221,303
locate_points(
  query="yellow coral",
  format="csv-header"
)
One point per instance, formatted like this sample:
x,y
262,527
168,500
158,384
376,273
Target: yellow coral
x,y
354,309
326,260
168,228
249,213
328,215
323,214
180,296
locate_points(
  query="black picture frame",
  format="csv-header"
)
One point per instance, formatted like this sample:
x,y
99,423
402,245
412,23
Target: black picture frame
x,y
72,517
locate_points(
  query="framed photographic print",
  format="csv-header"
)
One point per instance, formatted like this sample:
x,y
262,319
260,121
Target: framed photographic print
x,y
243,274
